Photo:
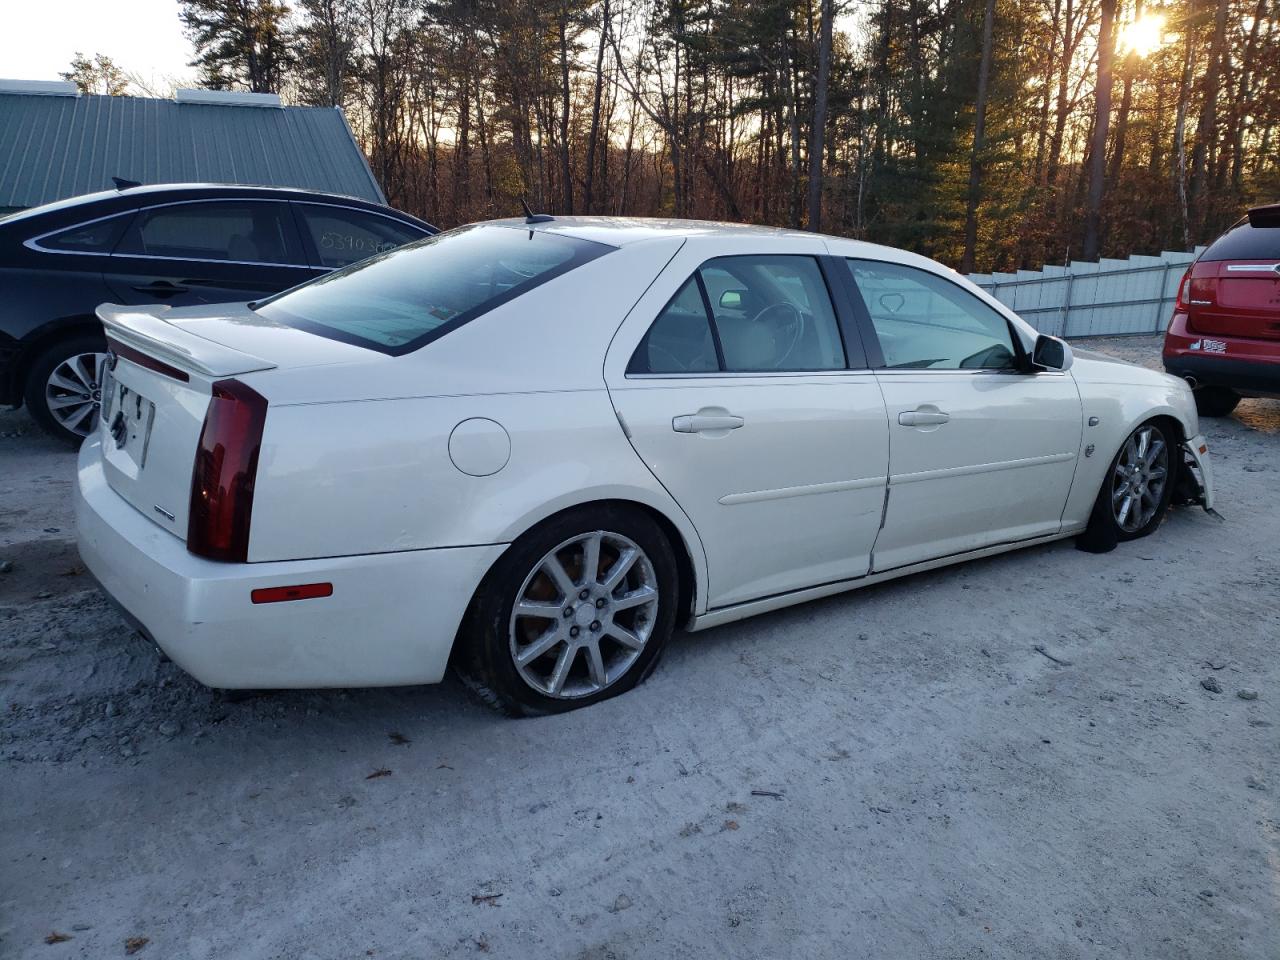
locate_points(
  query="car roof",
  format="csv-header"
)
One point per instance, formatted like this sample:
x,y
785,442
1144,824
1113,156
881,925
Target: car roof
x,y
128,196
621,231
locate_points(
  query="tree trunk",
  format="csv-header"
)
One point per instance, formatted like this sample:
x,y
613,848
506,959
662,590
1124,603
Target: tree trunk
x,y
1180,129
979,142
1102,117
1207,127
589,184
1129,64
566,170
1063,106
818,129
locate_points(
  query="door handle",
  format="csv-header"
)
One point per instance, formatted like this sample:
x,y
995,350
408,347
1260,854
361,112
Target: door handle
x,y
923,417
705,422
161,288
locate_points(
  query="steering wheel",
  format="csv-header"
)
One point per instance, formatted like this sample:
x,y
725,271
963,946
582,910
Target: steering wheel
x,y
790,329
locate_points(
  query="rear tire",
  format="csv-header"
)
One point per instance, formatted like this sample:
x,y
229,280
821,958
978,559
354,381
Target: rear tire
x,y
64,383
1215,401
1136,489
582,633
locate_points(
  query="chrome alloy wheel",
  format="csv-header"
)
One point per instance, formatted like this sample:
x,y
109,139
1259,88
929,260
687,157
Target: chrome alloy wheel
x,y
582,617
73,392
1139,478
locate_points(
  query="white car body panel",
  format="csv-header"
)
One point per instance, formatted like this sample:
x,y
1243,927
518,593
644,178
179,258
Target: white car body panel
x,y
380,627
998,471
811,457
402,479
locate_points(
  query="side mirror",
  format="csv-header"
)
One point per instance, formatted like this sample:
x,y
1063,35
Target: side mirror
x,y
731,299
1050,353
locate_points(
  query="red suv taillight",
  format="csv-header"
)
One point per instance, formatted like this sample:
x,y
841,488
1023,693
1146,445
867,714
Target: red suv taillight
x,y
1184,293
224,472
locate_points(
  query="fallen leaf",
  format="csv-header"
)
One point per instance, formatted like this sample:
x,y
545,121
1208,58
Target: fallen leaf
x,y
731,824
57,937
380,772
399,739
490,898
134,944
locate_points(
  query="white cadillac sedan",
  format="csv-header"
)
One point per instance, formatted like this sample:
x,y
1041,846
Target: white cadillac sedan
x,y
533,448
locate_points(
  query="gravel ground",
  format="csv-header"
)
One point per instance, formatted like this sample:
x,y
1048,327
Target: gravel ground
x,y
897,772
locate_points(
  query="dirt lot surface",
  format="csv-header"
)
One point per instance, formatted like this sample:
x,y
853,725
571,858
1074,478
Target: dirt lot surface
x,y
896,772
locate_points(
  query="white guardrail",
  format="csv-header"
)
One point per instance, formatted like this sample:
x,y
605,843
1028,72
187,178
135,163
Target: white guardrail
x,y
1094,299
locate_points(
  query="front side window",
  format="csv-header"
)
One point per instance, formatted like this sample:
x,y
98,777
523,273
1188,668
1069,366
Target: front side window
x,y
237,230
925,322
748,314
343,236
398,301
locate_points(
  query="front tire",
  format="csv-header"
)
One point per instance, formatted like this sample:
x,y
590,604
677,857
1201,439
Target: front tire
x,y
1136,490
577,610
64,386
1215,401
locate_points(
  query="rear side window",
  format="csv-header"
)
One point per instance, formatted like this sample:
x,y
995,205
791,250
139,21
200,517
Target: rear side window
x,y
97,237
1246,242
680,339
342,236
398,301
242,231
748,314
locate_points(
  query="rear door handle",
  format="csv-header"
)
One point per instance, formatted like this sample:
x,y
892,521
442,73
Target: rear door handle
x,y
161,288
705,422
923,417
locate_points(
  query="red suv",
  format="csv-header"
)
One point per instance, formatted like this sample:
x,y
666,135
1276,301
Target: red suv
x,y
1224,338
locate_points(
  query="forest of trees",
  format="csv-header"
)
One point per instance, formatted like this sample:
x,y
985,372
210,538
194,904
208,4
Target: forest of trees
x,y
985,133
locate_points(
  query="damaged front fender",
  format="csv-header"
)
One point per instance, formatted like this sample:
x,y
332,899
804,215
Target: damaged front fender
x,y
1195,479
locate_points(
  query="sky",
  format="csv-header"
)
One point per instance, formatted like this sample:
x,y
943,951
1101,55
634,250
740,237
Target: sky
x,y
142,36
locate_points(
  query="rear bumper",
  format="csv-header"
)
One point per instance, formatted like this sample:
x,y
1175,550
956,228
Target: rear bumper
x,y
1243,364
391,619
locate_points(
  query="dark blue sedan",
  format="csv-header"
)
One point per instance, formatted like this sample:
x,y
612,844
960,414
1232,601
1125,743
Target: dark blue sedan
x,y
178,244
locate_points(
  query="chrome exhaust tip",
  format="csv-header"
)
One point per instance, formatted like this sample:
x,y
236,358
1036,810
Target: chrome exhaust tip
x,y
1191,381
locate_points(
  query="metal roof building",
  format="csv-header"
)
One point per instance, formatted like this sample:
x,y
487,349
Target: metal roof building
x,y
57,143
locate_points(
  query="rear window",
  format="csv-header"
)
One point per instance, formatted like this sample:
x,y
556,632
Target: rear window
x,y
400,300
1245,242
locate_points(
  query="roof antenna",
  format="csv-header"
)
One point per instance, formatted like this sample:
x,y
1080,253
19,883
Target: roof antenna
x,y
531,217
123,184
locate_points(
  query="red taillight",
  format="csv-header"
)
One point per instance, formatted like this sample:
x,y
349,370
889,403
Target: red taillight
x,y
1198,291
223,476
1184,293
303,591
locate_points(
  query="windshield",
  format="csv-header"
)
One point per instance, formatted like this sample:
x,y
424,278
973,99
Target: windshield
x,y
400,300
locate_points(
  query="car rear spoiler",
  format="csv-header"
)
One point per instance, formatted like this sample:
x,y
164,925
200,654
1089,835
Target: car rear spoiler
x,y
1268,216
145,329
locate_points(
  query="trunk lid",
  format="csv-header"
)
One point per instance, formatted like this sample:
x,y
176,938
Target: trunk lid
x,y
1235,298
1233,289
156,395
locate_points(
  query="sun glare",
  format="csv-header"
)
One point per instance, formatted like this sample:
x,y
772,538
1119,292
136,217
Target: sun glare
x,y
1143,36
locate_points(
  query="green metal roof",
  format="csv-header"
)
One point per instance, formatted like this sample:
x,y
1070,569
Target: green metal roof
x,y
53,147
